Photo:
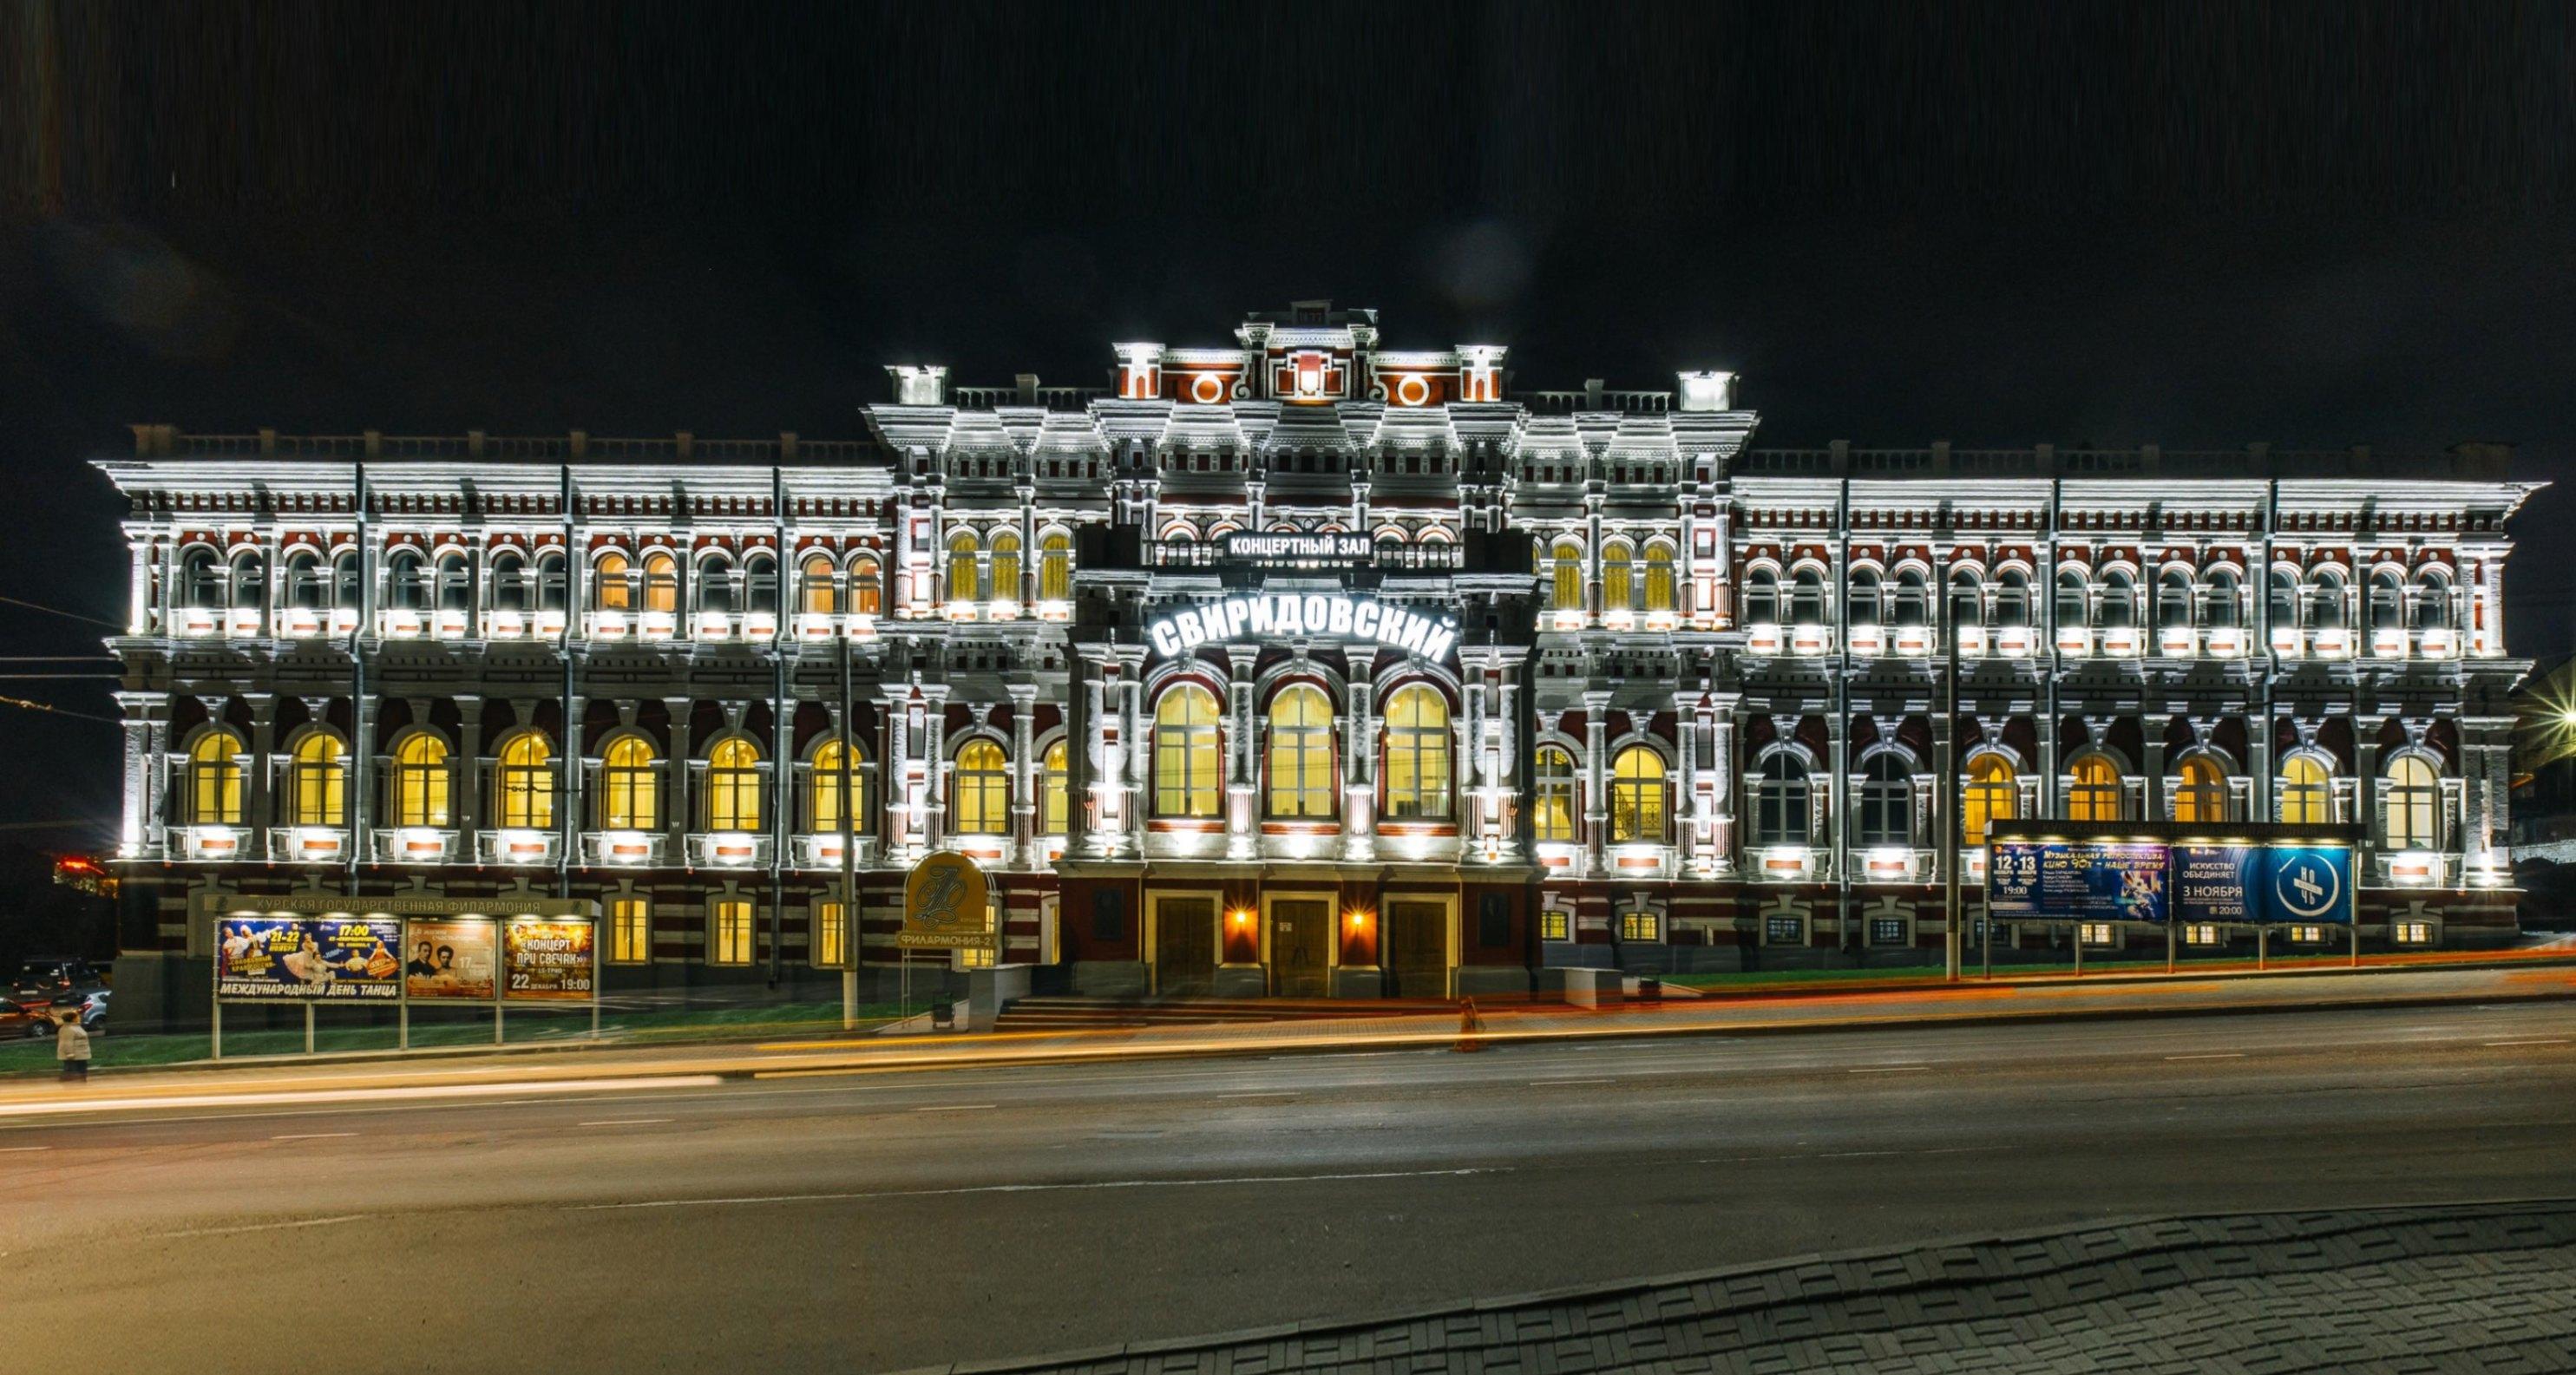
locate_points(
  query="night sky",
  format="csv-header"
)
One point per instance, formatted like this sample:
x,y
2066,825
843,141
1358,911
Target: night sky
x,y
2074,224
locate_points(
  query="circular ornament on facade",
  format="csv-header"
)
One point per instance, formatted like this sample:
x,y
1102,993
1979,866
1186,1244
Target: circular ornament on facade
x,y
1207,389
1413,391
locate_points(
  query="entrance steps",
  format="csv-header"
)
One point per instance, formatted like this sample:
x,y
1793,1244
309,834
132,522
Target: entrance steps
x,y
1067,1013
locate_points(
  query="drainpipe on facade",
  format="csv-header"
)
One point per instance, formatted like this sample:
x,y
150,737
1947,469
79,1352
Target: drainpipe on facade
x,y
358,812
1840,783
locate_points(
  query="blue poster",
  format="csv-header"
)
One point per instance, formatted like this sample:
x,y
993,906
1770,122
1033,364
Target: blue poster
x,y
2217,883
2308,883
2077,881
2012,878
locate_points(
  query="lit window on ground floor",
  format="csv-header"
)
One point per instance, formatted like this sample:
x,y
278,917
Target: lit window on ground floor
x,y
2414,933
2200,935
2095,933
2308,935
1555,926
1785,930
630,931
729,931
977,959
1890,931
1640,926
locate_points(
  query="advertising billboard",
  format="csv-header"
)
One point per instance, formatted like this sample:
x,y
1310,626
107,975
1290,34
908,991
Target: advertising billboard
x,y
548,960
947,905
2217,883
2309,883
449,959
298,958
2078,880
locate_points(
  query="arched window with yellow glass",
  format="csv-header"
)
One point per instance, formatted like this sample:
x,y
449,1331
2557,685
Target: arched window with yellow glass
x,y
867,588
2093,789
816,595
1659,576
1565,577
2306,791
1055,567
961,567
979,790
1637,797
1186,749
1992,796
317,792
215,779
1301,753
733,785
421,781
630,786
2201,792
612,584
1006,567
1417,754
1618,577
1552,794
833,774
1055,792
661,582
2410,805
525,787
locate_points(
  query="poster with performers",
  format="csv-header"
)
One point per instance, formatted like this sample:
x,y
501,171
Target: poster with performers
x,y
449,959
332,958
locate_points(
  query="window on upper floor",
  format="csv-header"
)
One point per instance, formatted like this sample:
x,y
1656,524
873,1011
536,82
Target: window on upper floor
x,y
2093,791
1006,567
1301,753
1887,800
979,790
421,782
818,596
733,785
317,791
1417,754
2202,792
1659,576
2306,793
525,785
215,779
1055,567
2410,805
630,786
1638,796
1055,792
1992,795
1552,794
661,582
1780,800
1186,752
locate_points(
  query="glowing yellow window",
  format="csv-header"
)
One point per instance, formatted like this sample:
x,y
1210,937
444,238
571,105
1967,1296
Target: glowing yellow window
x,y
630,793
1553,802
1992,797
1637,796
1055,567
1185,752
1566,579
1006,567
661,582
961,568
2306,799
421,781
2094,794
831,935
527,782
1055,803
979,798
630,931
733,785
1417,754
833,776
1618,582
614,592
1659,576
820,598
867,594
1301,753
2203,794
321,782
214,779
729,931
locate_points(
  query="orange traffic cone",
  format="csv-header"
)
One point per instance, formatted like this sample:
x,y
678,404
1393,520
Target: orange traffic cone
x,y
1468,1025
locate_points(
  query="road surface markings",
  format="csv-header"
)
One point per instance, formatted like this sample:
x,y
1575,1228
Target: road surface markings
x,y
265,1226
1273,1093
12,1150
2212,1055
2549,1041
1888,1069
625,1122
56,1107
1560,1083
310,1136
1039,1188
959,1107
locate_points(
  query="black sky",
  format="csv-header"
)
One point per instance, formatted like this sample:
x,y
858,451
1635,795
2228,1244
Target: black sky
x,y
2192,225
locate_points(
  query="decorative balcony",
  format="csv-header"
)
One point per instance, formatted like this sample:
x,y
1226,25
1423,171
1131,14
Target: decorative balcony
x,y
822,850
2414,868
308,844
243,623
1786,864
729,849
2438,644
2388,644
1895,864
622,849
2074,641
207,842
2177,642
518,845
415,845
394,623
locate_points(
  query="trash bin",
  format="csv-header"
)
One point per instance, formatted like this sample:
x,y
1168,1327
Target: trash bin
x,y
1650,990
943,1015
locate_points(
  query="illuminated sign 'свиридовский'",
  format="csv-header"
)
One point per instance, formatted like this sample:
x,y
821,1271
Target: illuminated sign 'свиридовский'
x,y
1288,614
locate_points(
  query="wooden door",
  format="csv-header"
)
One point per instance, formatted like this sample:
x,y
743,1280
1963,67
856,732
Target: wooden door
x,y
1299,935
1417,949
1184,946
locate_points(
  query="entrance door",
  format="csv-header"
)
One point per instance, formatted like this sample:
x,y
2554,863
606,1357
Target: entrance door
x,y
1299,932
1417,949
1184,946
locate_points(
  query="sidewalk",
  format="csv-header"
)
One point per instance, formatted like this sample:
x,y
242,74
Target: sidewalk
x,y
598,1066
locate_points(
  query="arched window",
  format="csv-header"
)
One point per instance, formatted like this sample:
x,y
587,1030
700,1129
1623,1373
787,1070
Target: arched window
x,y
214,779
1055,792
1553,797
1992,796
2221,600
979,791
1055,567
1186,751
2012,599
318,792
832,775
2283,604
1886,800
867,589
1807,598
2325,601
630,789
1006,567
344,580
1910,603
661,582
202,583
552,589
1618,578
961,567
2119,600
1637,796
2071,599
1301,753
1417,754
405,582
760,584
816,596
612,584
1780,800
715,586
1967,602
1566,578
733,785
2306,793
1862,600
2173,600
2093,792
2433,602
525,788
306,586
2410,805
2203,793
455,583
421,781
509,581
250,581
1761,597
1659,576
2387,601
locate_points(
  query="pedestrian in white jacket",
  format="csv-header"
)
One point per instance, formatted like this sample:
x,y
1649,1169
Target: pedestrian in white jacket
x,y
71,1046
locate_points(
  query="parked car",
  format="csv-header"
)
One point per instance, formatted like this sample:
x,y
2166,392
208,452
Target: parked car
x,y
30,1019
53,971
93,1013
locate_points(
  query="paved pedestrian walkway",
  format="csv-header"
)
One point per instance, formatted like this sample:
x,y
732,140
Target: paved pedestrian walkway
x,y
2478,1288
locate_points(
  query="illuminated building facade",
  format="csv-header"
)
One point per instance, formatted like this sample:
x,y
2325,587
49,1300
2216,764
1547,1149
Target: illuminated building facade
x,y
1300,666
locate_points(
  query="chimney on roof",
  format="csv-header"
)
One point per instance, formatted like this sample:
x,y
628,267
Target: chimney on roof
x,y
1592,387
1026,384
1708,391
922,385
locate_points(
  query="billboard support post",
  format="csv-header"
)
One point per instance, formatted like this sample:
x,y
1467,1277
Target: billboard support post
x,y
2262,946
2169,944
402,1024
2079,949
219,1028
308,1028
1986,919
2355,928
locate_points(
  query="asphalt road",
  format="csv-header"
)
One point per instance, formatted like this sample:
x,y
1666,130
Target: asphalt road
x,y
878,1221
